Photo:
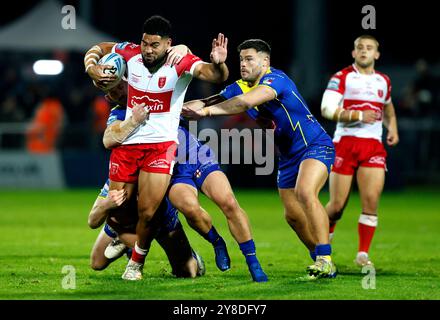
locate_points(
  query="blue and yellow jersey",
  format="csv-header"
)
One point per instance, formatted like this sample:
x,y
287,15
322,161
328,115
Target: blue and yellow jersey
x,y
296,127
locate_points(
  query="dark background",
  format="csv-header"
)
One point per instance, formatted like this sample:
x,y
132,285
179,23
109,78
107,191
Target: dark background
x,y
310,41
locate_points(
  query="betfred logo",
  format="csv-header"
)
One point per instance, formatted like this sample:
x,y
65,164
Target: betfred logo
x,y
153,102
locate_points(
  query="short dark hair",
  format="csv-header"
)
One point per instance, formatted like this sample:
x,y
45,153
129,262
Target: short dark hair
x,y
257,44
157,25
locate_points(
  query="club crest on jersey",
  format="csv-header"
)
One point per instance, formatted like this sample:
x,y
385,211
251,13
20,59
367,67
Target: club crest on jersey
x,y
161,82
380,93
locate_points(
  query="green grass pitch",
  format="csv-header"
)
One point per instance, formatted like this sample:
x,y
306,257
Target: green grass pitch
x,y
43,231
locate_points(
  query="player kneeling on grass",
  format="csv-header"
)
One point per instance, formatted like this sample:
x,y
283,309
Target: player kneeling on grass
x,y
119,234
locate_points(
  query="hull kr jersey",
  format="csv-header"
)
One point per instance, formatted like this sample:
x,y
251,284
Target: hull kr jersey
x,y
296,128
162,92
361,92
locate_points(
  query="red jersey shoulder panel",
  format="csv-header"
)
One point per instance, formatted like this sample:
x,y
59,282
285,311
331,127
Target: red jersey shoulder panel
x,y
186,63
127,49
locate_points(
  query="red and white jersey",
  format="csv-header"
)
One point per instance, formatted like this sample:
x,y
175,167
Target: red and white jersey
x,y
361,92
163,93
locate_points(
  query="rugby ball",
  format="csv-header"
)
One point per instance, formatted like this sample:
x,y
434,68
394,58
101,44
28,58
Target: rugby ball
x,y
118,67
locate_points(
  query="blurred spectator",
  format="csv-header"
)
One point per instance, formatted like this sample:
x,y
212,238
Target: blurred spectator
x,y
421,98
45,127
101,111
10,111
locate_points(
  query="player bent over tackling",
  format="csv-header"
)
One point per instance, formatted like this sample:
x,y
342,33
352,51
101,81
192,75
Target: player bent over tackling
x,y
119,233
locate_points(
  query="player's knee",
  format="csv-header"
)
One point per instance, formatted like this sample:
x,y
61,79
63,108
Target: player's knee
x,y
335,215
93,223
98,264
145,213
370,201
229,204
191,209
336,208
305,196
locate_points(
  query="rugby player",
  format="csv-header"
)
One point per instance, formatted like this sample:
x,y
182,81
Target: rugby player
x,y
146,157
358,98
307,153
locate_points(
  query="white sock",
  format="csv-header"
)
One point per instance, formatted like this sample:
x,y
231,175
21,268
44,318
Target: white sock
x,y
140,250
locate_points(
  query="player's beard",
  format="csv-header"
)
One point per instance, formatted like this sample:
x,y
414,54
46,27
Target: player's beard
x,y
154,63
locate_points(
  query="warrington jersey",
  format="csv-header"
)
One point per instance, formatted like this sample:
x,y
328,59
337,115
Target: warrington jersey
x,y
296,128
162,92
361,92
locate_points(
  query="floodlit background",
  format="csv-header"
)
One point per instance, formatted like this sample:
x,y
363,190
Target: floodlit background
x,y
43,79
44,93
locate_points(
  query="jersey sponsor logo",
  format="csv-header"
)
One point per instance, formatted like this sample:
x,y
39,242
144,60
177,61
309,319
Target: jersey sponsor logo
x,y
377,160
333,84
159,163
161,82
154,102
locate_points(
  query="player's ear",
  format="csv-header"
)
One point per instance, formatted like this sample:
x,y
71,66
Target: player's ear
x,y
376,55
353,54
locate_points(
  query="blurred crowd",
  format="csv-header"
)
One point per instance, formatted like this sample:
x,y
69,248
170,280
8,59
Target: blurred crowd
x,y
66,111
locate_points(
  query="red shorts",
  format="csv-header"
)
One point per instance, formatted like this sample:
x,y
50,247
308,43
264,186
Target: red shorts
x,y
127,160
353,152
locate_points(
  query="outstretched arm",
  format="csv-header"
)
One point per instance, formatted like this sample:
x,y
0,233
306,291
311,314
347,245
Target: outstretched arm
x,y
238,104
216,71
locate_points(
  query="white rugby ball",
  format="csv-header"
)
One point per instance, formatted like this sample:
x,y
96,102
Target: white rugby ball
x,y
118,67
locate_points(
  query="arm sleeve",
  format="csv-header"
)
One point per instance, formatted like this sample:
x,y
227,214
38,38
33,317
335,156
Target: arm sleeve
x,y
188,64
330,102
388,97
274,81
337,82
231,91
116,114
126,49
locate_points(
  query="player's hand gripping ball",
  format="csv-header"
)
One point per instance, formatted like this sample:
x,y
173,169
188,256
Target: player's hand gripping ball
x,y
118,67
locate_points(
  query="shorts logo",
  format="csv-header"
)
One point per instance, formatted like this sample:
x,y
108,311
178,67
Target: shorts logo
x,y
338,162
159,163
161,82
197,174
380,93
377,160
114,168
